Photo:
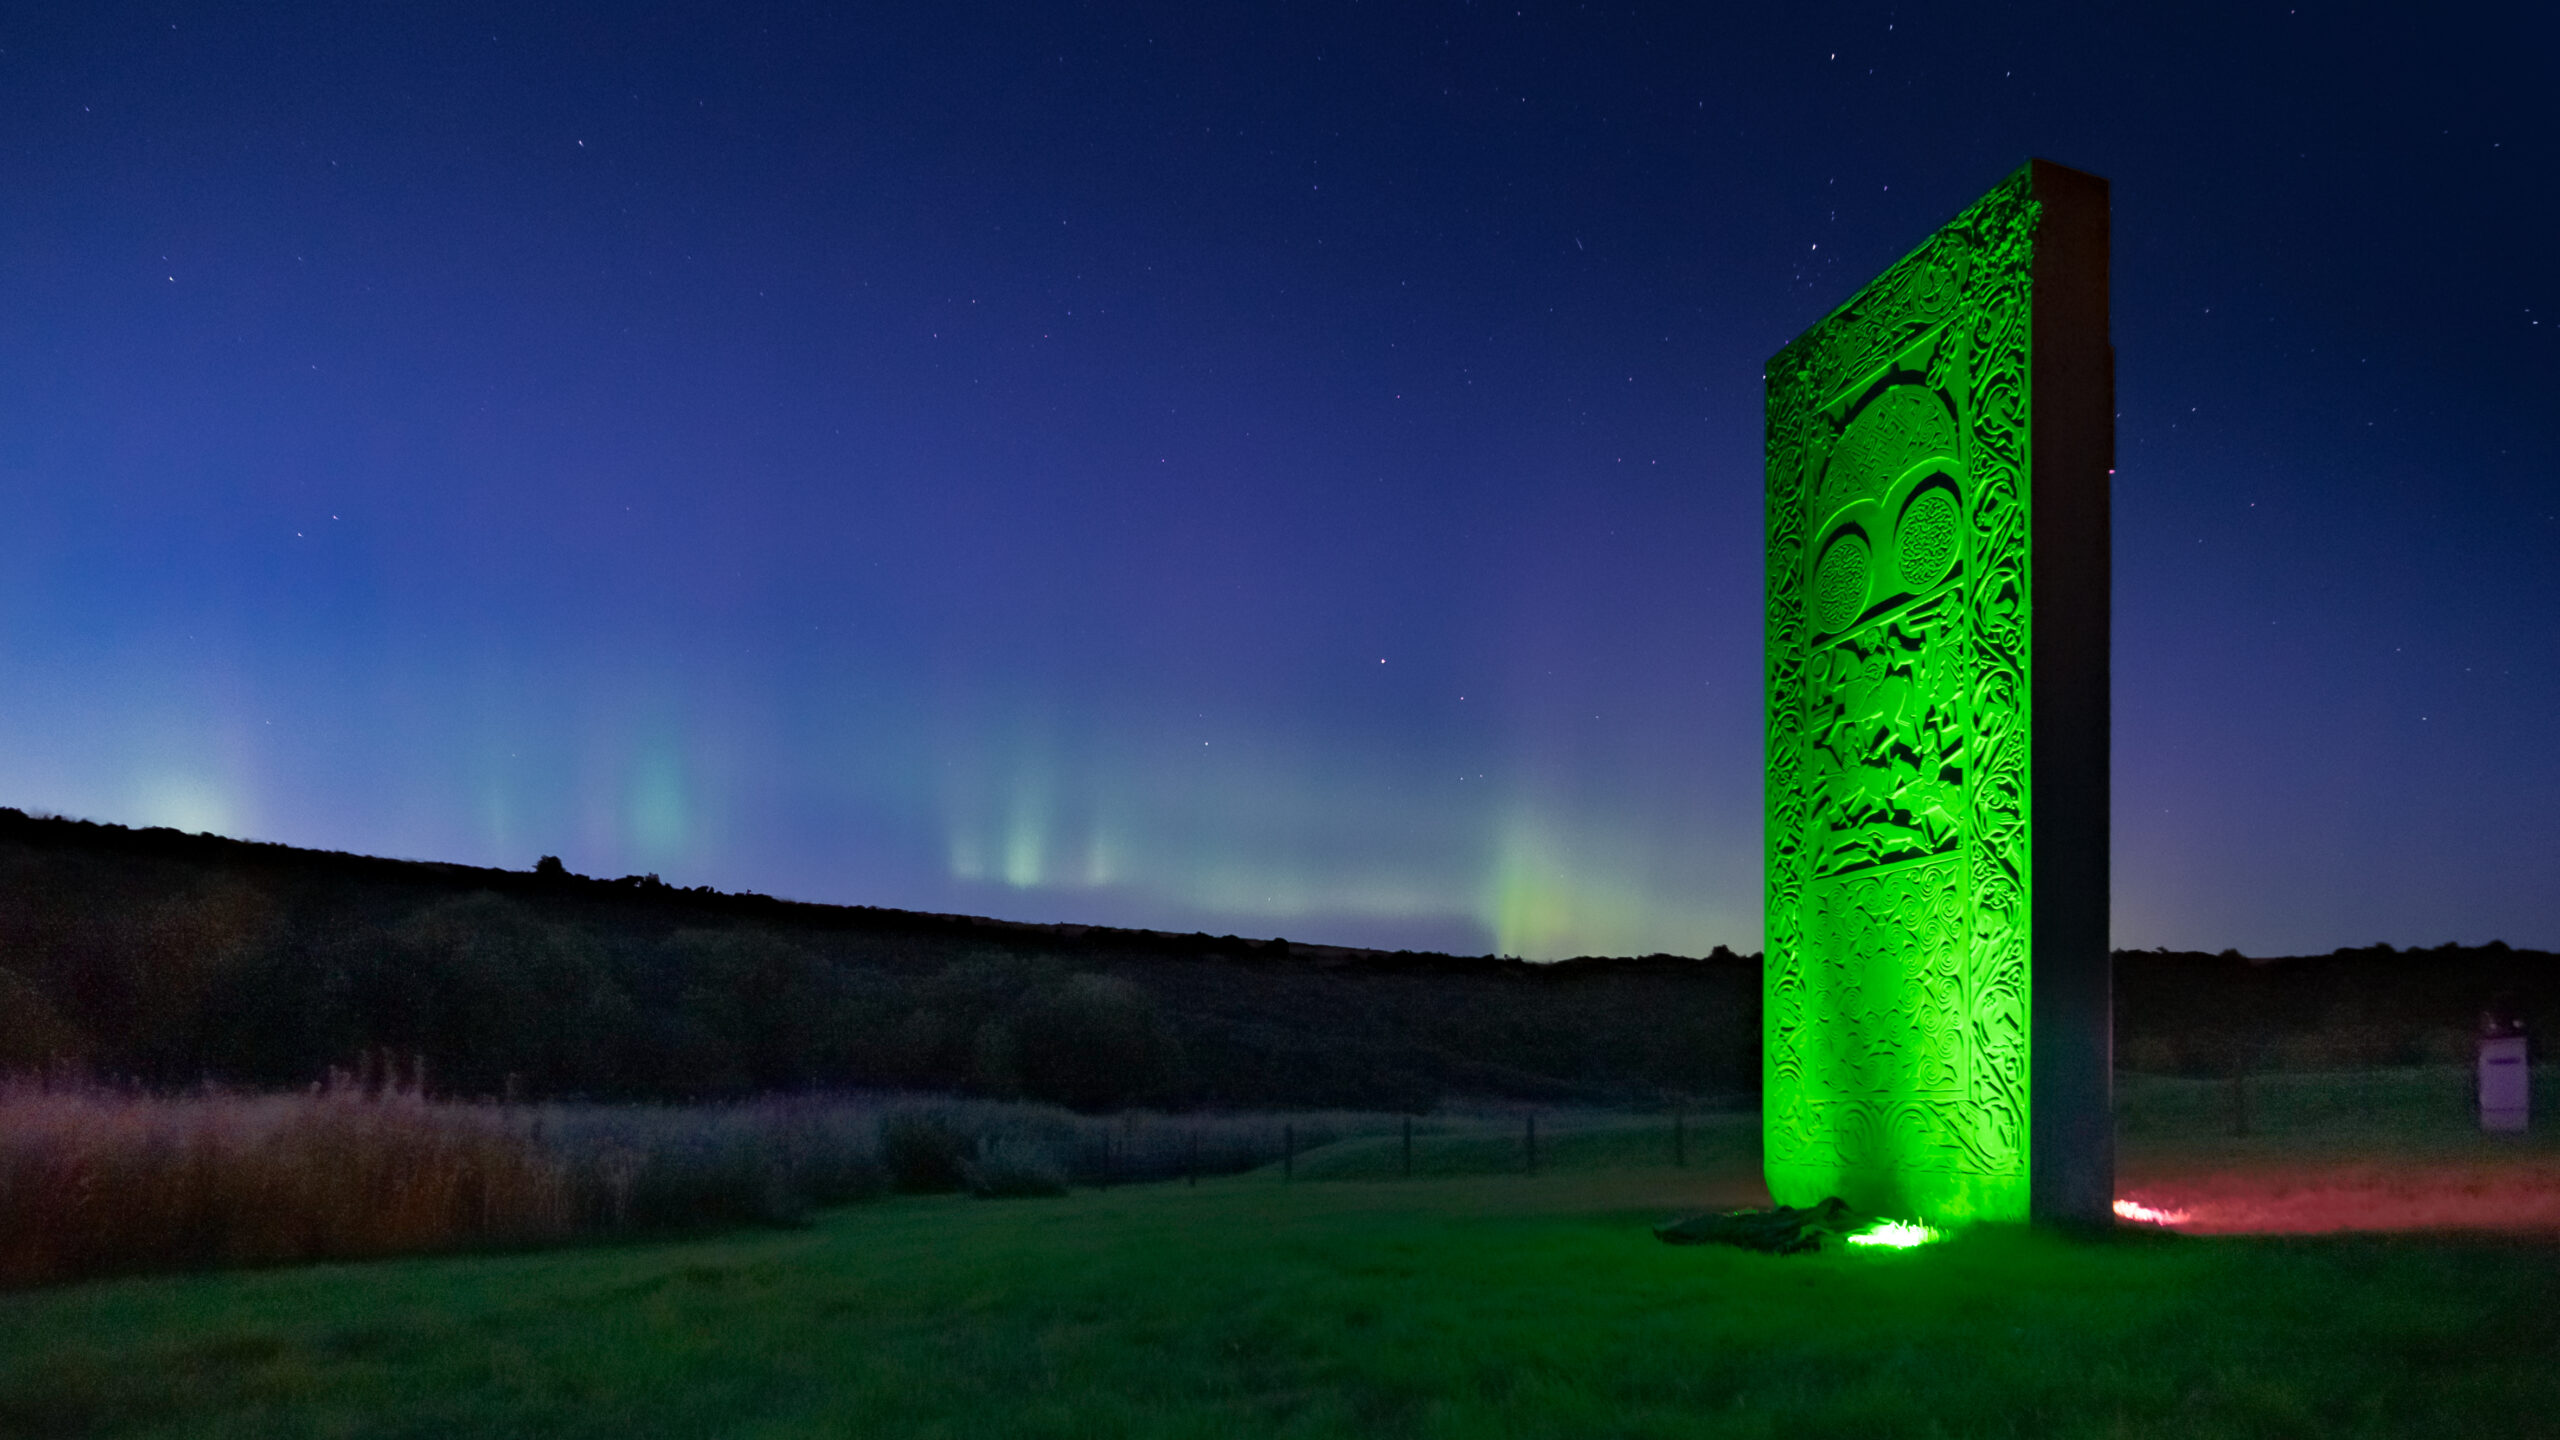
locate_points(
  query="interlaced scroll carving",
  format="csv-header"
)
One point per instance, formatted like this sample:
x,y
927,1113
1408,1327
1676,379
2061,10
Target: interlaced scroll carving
x,y
1896,1058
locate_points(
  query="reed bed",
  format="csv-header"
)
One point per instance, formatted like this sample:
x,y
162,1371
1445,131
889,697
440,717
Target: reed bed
x,y
96,1180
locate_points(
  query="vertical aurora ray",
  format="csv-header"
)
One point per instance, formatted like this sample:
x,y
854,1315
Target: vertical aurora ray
x,y
184,800
657,810
1563,881
1938,447
1112,823
1117,820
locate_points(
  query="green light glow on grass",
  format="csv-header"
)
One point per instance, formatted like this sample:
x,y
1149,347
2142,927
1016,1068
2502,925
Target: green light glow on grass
x,y
1896,1234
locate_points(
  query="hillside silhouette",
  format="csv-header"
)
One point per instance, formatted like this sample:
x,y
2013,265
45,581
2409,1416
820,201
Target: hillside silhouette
x,y
171,960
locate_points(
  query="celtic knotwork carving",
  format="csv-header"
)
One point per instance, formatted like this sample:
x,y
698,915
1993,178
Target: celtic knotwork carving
x,y
1897,979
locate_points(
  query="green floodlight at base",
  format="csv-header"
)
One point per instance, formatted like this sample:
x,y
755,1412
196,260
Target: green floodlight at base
x,y
1896,1235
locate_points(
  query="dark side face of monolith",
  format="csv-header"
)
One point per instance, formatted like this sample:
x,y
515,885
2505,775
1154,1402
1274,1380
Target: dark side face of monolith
x,y
1938,1028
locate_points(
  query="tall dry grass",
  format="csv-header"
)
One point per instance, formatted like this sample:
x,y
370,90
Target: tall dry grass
x,y
99,1181
94,1181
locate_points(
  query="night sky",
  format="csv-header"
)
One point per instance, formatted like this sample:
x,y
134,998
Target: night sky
x,y
1283,469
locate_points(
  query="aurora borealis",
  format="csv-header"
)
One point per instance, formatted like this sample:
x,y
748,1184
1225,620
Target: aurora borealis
x,y
1288,470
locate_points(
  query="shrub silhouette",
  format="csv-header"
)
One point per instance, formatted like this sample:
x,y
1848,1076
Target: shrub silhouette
x,y
1097,1042
1011,1168
756,1012
488,990
924,1154
33,1035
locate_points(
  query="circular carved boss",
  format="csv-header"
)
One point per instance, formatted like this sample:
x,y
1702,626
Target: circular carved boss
x,y
1893,506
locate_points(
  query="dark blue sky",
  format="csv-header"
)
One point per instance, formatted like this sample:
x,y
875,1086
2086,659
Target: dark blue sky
x,y
1291,469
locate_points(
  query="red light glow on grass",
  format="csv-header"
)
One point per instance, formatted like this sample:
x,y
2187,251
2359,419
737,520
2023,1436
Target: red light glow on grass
x,y
2328,1195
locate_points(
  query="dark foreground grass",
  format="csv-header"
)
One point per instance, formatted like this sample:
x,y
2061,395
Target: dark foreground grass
x,y
1463,1306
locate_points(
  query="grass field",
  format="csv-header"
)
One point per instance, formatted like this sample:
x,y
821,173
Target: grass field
x,y
1353,1302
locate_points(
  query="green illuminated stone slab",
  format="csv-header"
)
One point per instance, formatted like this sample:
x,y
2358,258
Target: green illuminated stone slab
x,y
1936,986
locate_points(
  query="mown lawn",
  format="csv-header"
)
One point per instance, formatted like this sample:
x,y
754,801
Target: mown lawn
x,y
1494,1305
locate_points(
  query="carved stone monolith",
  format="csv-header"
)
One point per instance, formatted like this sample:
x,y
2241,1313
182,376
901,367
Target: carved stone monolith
x,y
1937,1024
